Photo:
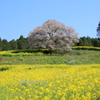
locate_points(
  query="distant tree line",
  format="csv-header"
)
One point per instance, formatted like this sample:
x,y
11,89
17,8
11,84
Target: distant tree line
x,y
22,43
87,41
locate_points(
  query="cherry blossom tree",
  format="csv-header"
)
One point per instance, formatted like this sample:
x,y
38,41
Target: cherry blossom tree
x,y
53,35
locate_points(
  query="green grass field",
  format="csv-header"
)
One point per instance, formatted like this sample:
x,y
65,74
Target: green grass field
x,y
74,57
36,76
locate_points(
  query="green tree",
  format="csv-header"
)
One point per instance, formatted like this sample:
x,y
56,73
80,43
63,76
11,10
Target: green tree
x,y
22,43
98,30
89,41
1,46
80,42
85,42
13,44
5,45
95,42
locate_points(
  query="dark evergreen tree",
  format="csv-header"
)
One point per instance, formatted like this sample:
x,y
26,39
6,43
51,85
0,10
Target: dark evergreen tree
x,y
27,43
22,43
95,42
89,41
5,45
80,42
85,42
13,44
1,44
98,30
92,41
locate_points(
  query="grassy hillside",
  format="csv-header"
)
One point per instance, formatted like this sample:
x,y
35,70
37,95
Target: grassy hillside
x,y
74,57
37,76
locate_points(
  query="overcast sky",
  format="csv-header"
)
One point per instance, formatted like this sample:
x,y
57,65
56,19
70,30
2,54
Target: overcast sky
x,y
19,17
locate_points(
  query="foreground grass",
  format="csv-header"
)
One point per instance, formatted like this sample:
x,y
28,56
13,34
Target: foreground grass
x,y
50,82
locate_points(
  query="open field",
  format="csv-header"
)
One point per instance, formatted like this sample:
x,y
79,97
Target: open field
x,y
50,82
36,76
74,57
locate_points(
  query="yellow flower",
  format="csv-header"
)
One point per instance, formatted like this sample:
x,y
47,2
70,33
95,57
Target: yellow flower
x,y
11,89
50,84
41,88
47,90
72,96
63,98
27,90
83,97
46,98
36,97
16,98
22,98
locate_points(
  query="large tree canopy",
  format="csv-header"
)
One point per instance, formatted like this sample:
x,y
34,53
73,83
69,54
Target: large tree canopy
x,y
53,35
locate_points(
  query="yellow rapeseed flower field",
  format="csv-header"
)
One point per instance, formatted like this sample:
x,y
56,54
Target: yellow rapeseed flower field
x,y
41,82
